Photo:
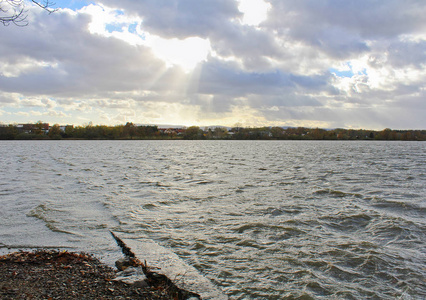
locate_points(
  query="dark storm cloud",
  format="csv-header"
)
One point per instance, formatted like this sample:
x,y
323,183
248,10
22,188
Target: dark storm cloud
x,y
342,28
213,20
180,18
407,53
228,79
79,62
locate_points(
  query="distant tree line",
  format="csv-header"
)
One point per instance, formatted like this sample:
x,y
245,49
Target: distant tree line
x,y
130,131
87,132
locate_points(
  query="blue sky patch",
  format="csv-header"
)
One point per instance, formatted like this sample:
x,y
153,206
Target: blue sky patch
x,y
114,28
72,4
346,73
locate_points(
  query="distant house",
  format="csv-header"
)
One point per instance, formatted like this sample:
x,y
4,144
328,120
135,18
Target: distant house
x,y
172,131
39,128
63,127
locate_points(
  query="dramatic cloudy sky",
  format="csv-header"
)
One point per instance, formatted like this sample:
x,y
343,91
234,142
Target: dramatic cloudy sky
x,y
325,63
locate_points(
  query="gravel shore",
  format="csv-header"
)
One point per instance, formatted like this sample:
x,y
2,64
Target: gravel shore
x,y
52,275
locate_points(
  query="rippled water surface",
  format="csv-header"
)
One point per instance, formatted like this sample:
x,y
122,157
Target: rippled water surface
x,y
262,220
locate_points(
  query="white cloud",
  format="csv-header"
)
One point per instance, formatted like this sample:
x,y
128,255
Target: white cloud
x,y
186,53
254,11
22,66
116,23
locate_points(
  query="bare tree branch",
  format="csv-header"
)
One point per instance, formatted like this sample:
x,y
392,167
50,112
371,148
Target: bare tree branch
x,y
13,11
46,5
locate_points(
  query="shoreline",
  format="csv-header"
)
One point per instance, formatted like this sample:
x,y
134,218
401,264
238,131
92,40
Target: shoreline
x,y
59,274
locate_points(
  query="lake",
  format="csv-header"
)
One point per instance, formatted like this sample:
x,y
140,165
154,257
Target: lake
x,y
259,219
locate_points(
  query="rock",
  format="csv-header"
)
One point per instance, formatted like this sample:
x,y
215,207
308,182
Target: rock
x,y
132,275
122,264
140,284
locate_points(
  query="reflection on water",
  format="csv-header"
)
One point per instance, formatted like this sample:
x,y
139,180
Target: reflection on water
x,y
262,220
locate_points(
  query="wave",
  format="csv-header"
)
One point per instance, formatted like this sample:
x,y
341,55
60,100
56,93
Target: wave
x,y
407,205
42,212
337,193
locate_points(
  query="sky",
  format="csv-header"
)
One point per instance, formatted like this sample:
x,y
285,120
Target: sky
x,y
311,63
